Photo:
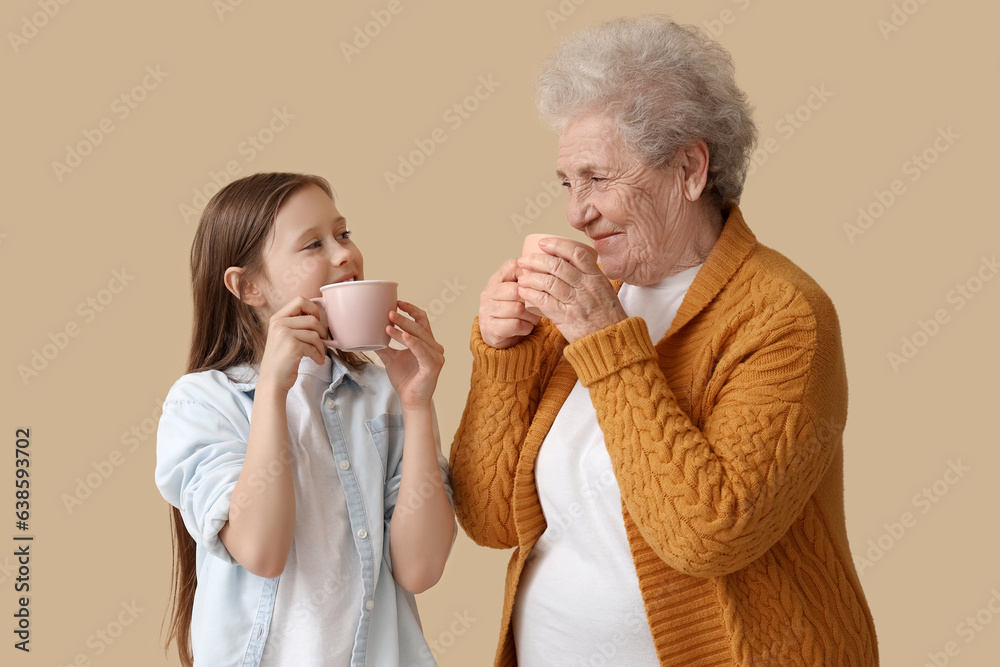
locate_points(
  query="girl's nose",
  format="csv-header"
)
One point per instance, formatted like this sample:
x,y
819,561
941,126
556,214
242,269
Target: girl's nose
x,y
341,255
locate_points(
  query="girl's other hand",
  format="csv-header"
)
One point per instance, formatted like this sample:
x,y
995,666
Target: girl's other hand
x,y
414,371
294,332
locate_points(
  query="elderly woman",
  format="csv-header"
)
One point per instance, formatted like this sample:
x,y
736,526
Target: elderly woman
x,y
662,447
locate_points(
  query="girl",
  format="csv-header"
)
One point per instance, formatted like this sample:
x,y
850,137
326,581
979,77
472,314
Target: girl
x,y
288,467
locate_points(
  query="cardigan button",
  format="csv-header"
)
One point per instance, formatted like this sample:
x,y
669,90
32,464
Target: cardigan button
x,y
330,404
362,533
370,605
345,464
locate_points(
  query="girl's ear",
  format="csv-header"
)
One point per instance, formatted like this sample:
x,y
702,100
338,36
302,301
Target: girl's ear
x,y
252,295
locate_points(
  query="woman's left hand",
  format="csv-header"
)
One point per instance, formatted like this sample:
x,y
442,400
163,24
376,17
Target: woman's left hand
x,y
569,288
413,371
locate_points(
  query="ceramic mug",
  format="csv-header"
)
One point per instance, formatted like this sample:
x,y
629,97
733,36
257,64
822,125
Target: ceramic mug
x,y
357,313
531,246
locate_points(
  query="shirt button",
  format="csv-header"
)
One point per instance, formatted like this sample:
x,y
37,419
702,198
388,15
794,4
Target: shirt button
x,y
362,533
330,404
344,465
370,605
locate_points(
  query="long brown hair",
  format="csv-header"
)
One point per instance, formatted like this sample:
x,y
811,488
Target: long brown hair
x,y
233,231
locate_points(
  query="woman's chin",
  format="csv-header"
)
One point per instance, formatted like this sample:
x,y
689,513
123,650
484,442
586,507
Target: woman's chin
x,y
613,269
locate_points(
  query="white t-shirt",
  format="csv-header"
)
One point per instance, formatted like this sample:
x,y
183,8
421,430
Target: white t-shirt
x,y
578,601
316,605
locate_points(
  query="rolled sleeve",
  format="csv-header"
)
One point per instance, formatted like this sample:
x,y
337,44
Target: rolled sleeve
x,y
200,450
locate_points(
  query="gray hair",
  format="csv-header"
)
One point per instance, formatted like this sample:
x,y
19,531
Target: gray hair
x,y
663,85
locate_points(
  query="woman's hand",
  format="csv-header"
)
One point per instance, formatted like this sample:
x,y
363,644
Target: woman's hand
x,y
566,284
295,331
503,320
414,371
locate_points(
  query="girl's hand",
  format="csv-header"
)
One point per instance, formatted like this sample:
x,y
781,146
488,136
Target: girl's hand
x,y
503,321
569,288
414,371
295,331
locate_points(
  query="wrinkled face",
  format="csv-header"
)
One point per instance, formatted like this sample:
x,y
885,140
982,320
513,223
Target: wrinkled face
x,y
635,215
310,247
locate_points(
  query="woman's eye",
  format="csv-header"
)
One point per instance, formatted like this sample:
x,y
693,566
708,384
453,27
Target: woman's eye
x,y
597,179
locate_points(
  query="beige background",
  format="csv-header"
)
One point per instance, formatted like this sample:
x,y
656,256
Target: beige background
x,y
445,229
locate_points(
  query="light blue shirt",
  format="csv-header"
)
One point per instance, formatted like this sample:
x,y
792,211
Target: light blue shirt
x,y
201,446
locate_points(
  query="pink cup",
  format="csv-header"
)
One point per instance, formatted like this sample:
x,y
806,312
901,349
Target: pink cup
x,y
531,246
358,313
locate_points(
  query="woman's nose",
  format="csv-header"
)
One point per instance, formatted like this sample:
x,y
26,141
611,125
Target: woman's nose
x,y
579,211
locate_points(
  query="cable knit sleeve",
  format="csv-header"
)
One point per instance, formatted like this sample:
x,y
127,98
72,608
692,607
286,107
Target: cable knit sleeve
x,y
712,497
503,396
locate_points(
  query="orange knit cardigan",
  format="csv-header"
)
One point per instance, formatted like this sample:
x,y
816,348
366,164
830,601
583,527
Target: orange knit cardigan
x,y
725,438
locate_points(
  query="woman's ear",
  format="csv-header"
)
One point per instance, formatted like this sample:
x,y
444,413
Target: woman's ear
x,y
252,295
694,163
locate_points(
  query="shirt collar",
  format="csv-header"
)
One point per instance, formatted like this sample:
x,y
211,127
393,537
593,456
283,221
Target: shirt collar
x,y
333,370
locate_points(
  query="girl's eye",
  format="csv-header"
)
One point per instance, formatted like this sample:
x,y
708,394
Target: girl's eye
x,y
314,244
346,235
